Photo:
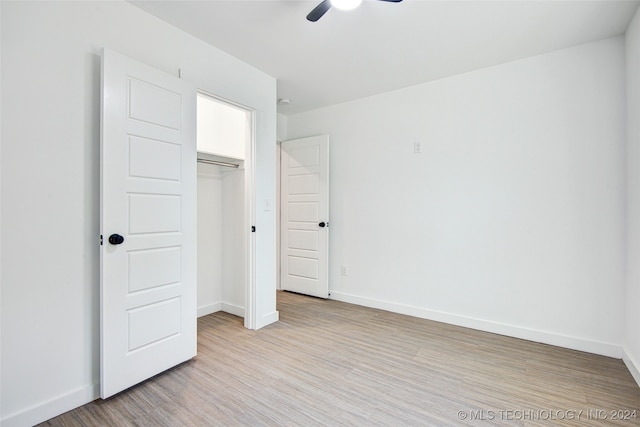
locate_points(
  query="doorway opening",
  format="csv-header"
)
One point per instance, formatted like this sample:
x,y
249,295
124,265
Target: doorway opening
x,y
225,144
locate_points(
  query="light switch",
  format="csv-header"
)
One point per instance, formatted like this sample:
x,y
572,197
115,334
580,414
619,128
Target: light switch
x,y
417,147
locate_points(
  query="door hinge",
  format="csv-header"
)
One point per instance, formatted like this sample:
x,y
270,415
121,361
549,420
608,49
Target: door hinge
x,y
253,228
101,240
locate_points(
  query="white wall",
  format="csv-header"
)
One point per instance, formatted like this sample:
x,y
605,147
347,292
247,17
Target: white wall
x,y
632,322
512,218
234,237
282,127
50,185
223,129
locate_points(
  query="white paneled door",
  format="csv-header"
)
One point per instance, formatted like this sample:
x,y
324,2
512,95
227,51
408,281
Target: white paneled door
x,y
148,223
304,227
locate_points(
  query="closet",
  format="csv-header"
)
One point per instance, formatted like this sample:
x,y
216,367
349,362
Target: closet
x,y
224,133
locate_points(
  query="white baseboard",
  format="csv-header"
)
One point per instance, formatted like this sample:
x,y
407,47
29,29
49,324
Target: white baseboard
x,y
632,365
574,343
52,408
59,405
209,309
268,319
236,310
66,402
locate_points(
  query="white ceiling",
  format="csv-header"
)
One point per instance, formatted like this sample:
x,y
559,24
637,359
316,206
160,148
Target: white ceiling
x,y
386,46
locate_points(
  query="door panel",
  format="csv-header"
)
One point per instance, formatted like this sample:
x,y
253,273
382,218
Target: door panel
x,y
154,322
304,205
303,184
150,268
166,208
304,155
303,239
153,159
154,105
148,185
301,267
302,213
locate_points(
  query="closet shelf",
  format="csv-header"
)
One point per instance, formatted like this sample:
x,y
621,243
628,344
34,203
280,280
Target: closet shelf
x,y
212,159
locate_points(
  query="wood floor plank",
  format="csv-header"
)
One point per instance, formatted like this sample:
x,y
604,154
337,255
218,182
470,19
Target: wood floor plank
x,y
327,363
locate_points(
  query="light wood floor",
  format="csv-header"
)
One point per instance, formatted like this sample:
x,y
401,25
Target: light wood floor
x,y
329,363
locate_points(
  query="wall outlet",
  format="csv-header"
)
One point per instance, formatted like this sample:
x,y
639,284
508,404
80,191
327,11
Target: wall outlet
x,y
343,270
417,147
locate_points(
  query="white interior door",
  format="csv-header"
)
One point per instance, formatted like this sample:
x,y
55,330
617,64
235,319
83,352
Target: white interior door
x,y
304,234
148,223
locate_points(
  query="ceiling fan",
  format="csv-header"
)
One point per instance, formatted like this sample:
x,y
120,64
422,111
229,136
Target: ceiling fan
x,y
325,5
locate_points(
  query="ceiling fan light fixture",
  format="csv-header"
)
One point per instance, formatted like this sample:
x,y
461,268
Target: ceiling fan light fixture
x,y
324,6
345,4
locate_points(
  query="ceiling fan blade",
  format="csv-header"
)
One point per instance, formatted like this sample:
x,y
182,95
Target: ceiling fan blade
x,y
319,10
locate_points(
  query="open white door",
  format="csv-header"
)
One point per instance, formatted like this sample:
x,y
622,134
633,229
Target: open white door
x,y
304,239
148,223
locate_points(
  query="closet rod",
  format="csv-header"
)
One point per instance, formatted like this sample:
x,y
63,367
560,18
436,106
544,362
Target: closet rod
x,y
215,162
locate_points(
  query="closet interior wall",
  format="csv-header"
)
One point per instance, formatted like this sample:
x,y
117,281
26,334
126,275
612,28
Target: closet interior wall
x,y
221,240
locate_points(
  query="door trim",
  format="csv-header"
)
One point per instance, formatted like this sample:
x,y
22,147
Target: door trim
x,y
249,209
250,168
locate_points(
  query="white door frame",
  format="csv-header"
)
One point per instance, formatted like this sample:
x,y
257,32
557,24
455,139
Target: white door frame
x,y
250,210
278,215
